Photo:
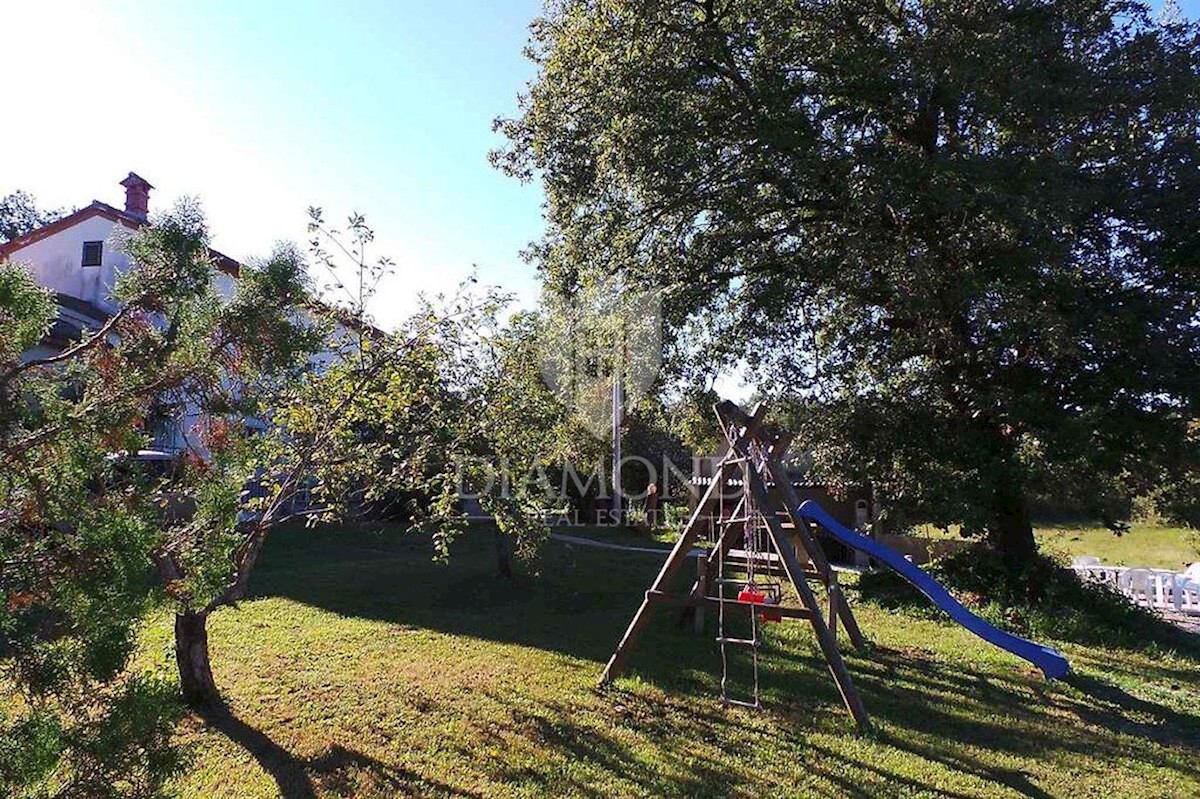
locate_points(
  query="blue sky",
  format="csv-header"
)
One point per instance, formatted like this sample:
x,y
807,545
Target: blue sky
x,y
262,108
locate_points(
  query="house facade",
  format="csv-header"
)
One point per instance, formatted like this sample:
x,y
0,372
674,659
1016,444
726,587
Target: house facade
x,y
78,258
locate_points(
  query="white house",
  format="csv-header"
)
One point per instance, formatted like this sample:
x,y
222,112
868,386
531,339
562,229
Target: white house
x,y
77,258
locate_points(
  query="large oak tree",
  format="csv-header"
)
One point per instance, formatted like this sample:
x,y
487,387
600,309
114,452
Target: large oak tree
x,y
966,230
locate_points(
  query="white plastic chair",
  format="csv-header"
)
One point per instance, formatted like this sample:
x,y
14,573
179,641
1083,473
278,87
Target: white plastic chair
x,y
1188,584
1136,584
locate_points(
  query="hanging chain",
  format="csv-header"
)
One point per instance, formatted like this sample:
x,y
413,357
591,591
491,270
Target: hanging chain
x,y
756,538
752,541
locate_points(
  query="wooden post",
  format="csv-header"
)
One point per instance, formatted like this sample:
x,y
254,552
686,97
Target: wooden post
x,y
833,657
804,536
834,598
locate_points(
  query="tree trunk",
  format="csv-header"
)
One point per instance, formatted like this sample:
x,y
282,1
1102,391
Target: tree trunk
x,y
1012,530
504,551
191,657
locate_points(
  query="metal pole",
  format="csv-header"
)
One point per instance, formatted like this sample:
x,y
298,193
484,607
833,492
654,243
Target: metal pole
x,y
617,413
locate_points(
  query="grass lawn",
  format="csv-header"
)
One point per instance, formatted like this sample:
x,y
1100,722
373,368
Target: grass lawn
x,y
361,669
1143,545
1154,546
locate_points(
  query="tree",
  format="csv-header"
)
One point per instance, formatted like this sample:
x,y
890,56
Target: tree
x,y
964,229
690,418
522,437
19,214
302,409
75,530
350,417
654,451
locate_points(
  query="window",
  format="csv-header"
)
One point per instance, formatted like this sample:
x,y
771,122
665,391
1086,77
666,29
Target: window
x,y
92,252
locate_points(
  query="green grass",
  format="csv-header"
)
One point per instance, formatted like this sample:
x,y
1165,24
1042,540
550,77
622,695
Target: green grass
x,y
1144,545
1150,545
361,669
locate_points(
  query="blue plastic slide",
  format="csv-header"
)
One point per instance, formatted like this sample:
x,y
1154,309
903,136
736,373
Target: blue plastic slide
x,y
1052,664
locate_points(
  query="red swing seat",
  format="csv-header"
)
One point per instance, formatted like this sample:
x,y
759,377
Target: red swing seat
x,y
754,596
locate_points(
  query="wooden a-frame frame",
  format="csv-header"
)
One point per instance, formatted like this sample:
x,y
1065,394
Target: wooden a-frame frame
x,y
775,491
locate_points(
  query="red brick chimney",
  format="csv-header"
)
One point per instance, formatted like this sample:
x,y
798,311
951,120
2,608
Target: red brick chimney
x,y
137,195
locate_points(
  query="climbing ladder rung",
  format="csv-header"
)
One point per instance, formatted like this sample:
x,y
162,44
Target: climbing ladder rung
x,y
748,643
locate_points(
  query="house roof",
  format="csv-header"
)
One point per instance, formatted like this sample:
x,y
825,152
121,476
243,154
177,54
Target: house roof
x,y
68,328
82,307
223,262
226,264
97,208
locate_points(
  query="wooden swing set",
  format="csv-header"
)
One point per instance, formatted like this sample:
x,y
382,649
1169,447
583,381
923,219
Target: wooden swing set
x,y
775,543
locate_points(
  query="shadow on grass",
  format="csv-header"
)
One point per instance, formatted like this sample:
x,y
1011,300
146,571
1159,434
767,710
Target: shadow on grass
x,y
953,714
578,605
332,771
1134,716
590,748
949,713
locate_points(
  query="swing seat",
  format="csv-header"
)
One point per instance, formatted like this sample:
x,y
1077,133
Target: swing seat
x,y
753,595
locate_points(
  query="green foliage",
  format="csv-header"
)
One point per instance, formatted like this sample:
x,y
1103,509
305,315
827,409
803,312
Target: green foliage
x,y
692,420
126,749
521,427
26,311
76,533
85,528
19,214
963,232
650,435
289,407
122,747
29,749
449,402
1176,494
